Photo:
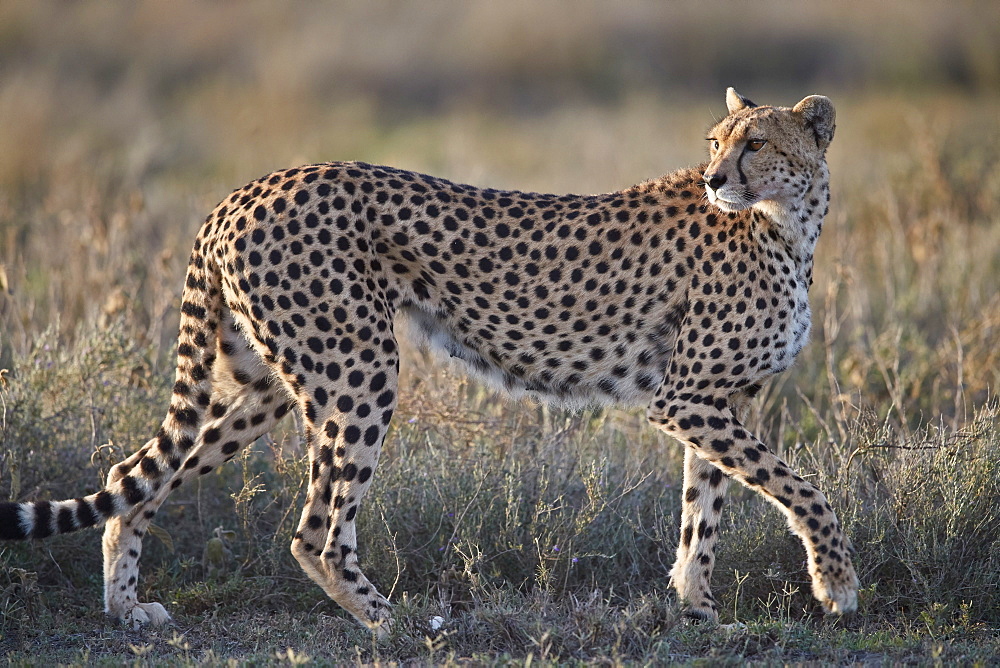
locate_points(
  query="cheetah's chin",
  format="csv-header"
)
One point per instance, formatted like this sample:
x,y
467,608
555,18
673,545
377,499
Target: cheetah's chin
x,y
728,206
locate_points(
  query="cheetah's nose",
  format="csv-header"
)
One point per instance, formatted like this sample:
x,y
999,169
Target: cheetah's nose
x,y
715,181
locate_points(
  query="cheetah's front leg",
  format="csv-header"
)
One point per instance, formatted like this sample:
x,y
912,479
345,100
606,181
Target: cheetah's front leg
x,y
716,436
704,490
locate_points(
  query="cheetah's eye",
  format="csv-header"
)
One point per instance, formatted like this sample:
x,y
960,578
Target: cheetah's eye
x,y
756,144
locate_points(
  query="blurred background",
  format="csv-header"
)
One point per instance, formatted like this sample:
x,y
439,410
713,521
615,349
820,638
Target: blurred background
x,y
123,124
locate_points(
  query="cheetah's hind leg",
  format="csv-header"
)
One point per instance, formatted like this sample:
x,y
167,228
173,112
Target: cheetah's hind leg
x,y
346,415
236,404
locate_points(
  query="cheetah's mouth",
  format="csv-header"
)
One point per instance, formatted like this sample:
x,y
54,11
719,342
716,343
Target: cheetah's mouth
x,y
730,200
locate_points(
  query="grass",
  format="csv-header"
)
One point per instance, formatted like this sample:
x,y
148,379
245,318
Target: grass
x,y
537,535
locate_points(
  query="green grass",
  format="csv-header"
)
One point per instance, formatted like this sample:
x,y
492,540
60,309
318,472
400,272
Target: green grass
x,y
538,535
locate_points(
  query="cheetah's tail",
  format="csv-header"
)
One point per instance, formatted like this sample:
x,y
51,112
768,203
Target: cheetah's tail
x,y
40,519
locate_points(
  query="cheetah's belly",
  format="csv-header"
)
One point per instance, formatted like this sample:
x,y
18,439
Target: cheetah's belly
x,y
625,381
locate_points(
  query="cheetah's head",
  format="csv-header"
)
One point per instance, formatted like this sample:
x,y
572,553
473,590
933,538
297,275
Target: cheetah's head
x,y
764,155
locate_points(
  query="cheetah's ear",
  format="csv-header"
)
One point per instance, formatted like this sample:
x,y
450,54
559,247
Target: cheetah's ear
x,y
736,102
818,114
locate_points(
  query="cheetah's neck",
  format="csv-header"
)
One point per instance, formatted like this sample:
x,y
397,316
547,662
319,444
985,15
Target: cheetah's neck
x,y
797,224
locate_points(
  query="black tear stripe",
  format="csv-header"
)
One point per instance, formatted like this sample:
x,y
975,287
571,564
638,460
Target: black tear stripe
x,y
739,167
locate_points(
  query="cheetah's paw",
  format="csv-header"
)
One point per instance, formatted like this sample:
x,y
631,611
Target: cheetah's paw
x,y
838,594
142,614
700,615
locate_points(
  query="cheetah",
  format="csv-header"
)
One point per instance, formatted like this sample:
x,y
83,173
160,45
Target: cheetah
x,y
681,294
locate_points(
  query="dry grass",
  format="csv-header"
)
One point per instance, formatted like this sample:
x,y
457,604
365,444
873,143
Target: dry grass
x,y
535,533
